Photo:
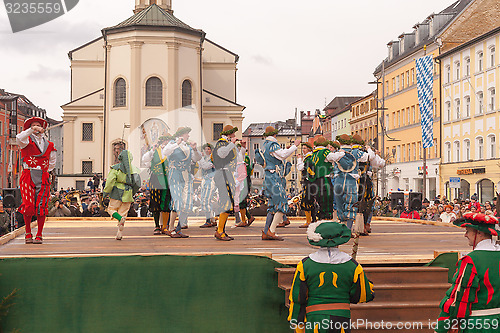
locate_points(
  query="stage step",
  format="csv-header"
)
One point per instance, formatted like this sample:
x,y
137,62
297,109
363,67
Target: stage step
x,y
402,295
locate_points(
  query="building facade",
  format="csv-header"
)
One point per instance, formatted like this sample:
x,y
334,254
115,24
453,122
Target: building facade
x,y
471,119
336,120
364,119
145,77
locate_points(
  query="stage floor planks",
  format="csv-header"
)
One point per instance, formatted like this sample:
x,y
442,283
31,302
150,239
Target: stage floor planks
x,y
391,242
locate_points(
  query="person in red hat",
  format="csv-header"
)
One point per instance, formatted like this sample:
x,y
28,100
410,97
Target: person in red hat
x,y
38,157
472,304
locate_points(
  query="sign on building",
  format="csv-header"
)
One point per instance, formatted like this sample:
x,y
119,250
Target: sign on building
x,y
454,182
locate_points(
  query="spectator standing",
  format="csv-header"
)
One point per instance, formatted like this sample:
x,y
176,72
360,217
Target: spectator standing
x,y
59,210
92,210
4,220
448,215
473,202
90,184
74,208
97,180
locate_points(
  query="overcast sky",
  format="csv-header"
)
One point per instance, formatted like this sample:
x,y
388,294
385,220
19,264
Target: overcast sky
x,y
293,54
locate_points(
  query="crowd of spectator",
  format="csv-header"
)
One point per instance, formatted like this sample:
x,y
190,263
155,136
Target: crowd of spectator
x,y
439,210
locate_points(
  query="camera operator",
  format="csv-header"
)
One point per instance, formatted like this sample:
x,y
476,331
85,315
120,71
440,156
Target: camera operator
x,y
59,210
92,210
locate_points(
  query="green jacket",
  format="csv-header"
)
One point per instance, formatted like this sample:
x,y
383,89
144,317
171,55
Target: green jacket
x,y
322,167
123,179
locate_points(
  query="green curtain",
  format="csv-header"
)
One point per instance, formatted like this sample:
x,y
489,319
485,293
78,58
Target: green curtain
x,y
224,293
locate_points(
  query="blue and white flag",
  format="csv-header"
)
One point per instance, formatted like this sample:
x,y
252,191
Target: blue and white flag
x,y
424,87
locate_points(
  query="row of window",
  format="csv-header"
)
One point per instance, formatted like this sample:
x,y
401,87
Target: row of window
x,y
406,116
363,108
368,133
411,152
153,93
402,81
467,68
455,155
449,115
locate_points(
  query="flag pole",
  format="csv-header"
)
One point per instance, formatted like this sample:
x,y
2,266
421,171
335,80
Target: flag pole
x,y
424,171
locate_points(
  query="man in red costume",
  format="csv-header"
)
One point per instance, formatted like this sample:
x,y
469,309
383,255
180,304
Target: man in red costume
x,y
38,157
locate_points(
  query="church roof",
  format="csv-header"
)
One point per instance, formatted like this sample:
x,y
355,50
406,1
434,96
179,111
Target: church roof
x,y
153,17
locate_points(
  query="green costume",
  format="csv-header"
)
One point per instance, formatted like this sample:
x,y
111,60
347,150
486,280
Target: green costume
x,y
158,181
307,200
123,179
326,282
472,304
323,185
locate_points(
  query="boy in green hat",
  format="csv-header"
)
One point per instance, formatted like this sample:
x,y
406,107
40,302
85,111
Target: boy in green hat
x,y
122,184
326,282
472,304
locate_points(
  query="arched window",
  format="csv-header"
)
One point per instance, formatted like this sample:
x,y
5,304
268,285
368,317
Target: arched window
x,y
467,106
467,150
492,146
154,92
492,56
491,104
480,102
457,70
479,61
448,111
457,108
120,92
479,148
448,74
187,94
456,147
447,147
485,190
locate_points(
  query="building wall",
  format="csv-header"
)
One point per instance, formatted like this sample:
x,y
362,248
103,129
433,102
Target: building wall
x,y
402,120
463,125
363,118
340,124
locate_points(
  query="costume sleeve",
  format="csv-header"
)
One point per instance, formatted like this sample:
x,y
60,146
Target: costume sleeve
x,y
298,294
65,210
23,138
148,157
110,182
300,164
364,157
169,148
224,151
375,160
361,289
283,154
458,300
335,157
196,156
206,164
52,160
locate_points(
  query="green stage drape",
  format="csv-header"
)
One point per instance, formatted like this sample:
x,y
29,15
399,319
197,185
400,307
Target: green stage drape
x,y
223,293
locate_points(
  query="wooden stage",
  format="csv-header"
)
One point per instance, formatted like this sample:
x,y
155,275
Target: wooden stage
x,y
392,241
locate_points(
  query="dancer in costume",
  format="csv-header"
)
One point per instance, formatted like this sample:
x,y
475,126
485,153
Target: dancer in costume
x,y
159,204
306,166
327,282
38,157
366,194
207,184
472,304
180,155
122,184
345,185
244,170
323,169
224,159
275,182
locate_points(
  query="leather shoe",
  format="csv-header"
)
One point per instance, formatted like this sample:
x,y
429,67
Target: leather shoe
x,y
206,225
28,239
38,240
223,236
242,224
184,227
271,236
281,225
250,221
178,235
305,225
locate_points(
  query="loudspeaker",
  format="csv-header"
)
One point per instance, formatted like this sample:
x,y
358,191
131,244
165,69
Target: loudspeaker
x,y
418,197
397,199
11,197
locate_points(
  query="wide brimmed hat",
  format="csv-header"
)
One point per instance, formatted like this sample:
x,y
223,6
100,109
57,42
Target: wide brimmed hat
x,y
181,131
328,234
482,222
165,138
270,131
228,130
307,144
357,139
321,141
207,145
336,144
28,122
344,139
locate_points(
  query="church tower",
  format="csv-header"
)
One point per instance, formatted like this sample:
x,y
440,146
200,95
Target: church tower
x,y
142,4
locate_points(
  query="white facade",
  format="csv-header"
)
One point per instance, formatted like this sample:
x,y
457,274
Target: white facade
x,y
140,70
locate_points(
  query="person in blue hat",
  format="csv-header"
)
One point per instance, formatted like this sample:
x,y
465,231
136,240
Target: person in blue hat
x,y
327,282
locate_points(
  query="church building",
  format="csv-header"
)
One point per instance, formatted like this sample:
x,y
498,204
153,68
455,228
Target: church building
x,y
143,78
